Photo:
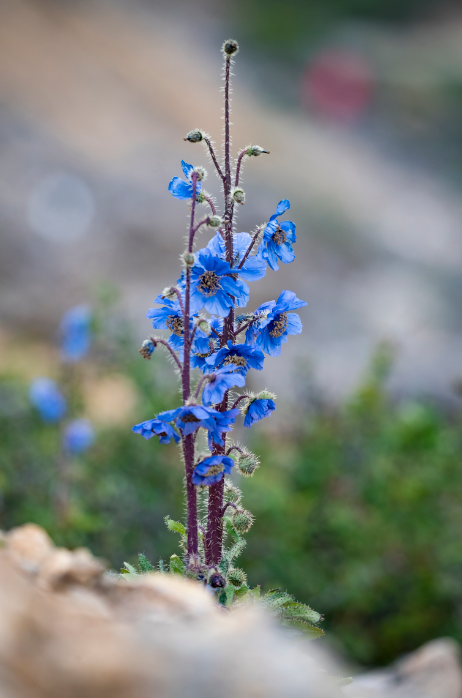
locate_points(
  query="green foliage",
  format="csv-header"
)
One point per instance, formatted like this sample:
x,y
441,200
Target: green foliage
x,y
144,563
176,565
175,526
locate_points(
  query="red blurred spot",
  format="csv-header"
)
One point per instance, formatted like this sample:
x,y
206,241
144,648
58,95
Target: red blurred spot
x,y
337,85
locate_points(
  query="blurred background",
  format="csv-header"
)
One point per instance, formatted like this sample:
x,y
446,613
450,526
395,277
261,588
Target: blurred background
x,y
358,501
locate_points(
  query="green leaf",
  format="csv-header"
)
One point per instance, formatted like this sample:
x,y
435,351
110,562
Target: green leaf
x,y
124,571
129,568
256,592
278,599
310,631
231,531
242,591
144,563
236,550
224,565
226,596
299,611
175,526
176,565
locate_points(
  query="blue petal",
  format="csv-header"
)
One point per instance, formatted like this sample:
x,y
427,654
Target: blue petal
x,y
282,206
219,304
187,169
289,301
289,228
286,253
180,189
295,325
254,268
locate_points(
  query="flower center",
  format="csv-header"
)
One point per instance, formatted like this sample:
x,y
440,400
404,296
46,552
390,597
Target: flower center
x,y
280,236
279,326
175,324
236,360
189,418
209,283
214,470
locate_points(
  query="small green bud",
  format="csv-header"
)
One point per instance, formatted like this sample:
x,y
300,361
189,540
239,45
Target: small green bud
x,y
238,195
204,326
194,136
215,221
230,46
266,395
247,464
147,348
232,493
237,577
242,520
188,259
201,173
256,151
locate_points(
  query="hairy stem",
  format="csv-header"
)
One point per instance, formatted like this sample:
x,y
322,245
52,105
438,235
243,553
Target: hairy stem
x,y
210,203
214,158
228,504
241,397
158,340
238,167
249,249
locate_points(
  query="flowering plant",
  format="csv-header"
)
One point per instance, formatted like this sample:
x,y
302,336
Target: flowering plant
x,y
209,332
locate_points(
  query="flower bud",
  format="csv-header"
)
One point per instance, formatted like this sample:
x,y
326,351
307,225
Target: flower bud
x,y
256,150
247,464
237,577
230,46
216,580
147,348
242,520
201,173
194,136
232,493
204,326
168,292
188,259
215,221
238,195
266,395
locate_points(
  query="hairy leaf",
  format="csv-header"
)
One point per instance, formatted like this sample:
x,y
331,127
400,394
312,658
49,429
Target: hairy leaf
x,y
176,565
175,526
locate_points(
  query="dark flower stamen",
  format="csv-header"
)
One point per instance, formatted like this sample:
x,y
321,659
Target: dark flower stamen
x,y
175,324
236,360
280,236
209,283
190,418
279,326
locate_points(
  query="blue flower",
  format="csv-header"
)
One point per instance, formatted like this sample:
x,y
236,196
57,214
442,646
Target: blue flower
x,y
157,427
258,409
223,422
202,343
181,189
239,357
278,239
75,333
190,418
282,323
219,382
170,318
48,399
260,318
212,285
253,269
211,470
78,436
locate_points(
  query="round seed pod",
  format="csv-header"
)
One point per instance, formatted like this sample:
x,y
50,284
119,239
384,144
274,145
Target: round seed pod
x,y
242,520
237,577
194,136
247,464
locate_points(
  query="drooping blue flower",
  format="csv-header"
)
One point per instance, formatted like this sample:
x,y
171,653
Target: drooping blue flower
x,y
278,239
212,285
253,269
212,469
223,422
205,345
75,333
282,323
189,418
181,189
78,436
170,317
158,427
48,399
238,357
260,318
258,409
219,382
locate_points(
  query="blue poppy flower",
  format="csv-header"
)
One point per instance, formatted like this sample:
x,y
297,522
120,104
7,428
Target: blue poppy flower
x,y
212,469
260,318
205,345
170,317
278,239
282,323
48,399
258,409
158,427
75,333
78,436
219,382
181,189
253,269
239,357
223,422
190,418
212,286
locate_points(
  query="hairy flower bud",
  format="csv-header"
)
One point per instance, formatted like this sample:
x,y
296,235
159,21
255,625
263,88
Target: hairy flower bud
x,y
256,150
238,195
237,577
204,326
242,520
201,173
215,221
216,580
147,348
247,464
266,395
232,493
194,136
230,47
188,259
168,292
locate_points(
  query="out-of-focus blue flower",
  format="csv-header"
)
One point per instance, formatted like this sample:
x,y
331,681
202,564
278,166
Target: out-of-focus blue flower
x,y
157,427
212,285
75,333
237,357
211,470
278,239
254,268
190,417
219,382
78,436
48,399
181,189
170,318
282,323
258,409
